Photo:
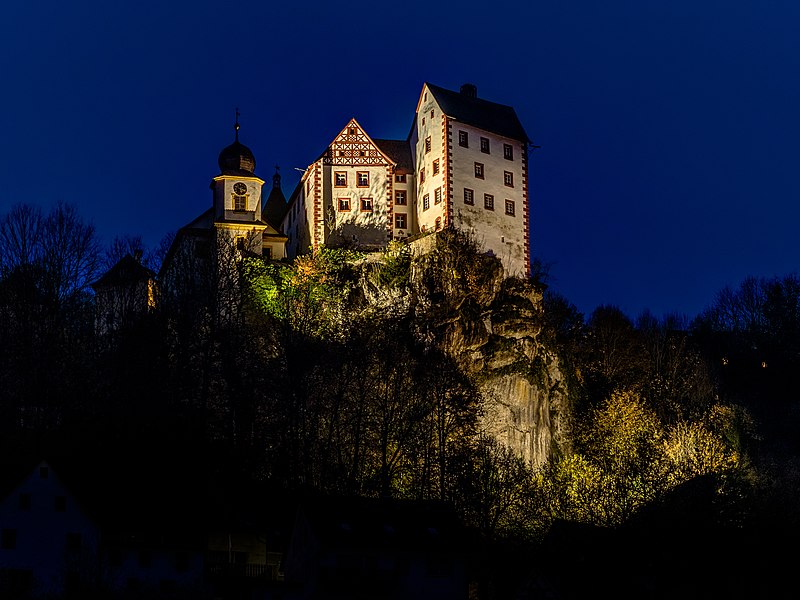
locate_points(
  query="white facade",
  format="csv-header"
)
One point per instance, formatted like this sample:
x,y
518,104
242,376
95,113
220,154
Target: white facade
x,y
467,168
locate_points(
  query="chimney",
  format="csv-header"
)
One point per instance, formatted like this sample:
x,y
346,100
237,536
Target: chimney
x,y
469,90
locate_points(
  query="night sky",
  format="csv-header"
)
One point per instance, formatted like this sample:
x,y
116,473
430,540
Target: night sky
x,y
668,130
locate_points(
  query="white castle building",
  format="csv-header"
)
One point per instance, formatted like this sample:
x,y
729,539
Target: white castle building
x,y
464,165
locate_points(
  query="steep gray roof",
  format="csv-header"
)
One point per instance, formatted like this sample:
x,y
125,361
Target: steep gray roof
x,y
399,151
483,114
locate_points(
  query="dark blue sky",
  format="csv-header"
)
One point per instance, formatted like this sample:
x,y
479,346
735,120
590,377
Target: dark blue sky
x,y
668,130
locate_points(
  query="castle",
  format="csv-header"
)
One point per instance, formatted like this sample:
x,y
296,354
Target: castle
x,y
463,165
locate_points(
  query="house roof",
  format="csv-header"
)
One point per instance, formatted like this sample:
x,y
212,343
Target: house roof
x,y
399,151
275,206
127,270
483,114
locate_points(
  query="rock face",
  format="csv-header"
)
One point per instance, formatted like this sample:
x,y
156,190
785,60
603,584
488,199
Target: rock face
x,y
492,327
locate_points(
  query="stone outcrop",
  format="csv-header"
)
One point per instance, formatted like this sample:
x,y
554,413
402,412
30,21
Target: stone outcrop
x,y
492,327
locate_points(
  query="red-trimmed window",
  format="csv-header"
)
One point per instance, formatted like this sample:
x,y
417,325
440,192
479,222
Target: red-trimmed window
x,y
400,197
400,221
426,202
344,204
366,204
362,178
340,178
436,166
437,195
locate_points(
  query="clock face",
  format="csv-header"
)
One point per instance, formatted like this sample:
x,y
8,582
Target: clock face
x,y
240,188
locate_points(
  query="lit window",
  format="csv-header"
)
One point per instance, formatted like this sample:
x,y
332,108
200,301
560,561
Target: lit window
x,y
400,178
488,202
508,178
437,196
400,221
485,145
427,144
426,202
400,197
479,170
344,204
508,151
510,208
463,139
469,196
438,223
340,178
362,178
436,166
366,204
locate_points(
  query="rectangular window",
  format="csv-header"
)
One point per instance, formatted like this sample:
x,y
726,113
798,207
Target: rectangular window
x,y
351,131
344,204
431,113
479,170
400,221
508,178
24,501
463,139
485,145
423,121
422,175
239,202
60,503
340,178
436,166
362,178
508,151
366,204
438,223
469,196
9,539
427,144
426,202
437,195
510,208
488,202
400,197
400,178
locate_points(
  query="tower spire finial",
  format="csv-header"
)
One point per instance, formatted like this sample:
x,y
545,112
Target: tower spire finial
x,y
236,124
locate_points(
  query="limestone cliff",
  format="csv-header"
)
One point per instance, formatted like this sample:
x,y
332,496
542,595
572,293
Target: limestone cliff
x,y
492,327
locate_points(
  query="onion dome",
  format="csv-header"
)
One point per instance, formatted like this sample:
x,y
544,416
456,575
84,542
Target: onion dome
x,y
237,159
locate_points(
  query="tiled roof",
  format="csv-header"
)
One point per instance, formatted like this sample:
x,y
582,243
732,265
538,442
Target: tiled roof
x,y
127,270
399,151
483,114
